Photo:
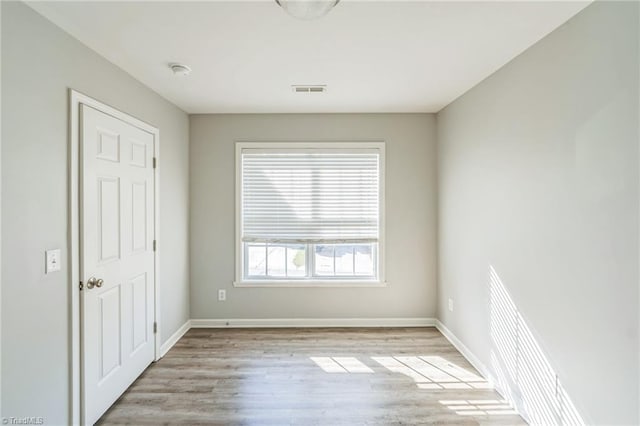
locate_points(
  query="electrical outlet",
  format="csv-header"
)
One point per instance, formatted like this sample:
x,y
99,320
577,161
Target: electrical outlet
x,y
222,295
451,304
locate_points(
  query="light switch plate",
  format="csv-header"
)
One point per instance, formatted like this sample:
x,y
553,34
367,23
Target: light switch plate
x,y
52,261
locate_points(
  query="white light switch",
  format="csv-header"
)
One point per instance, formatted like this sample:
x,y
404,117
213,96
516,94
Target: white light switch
x,y
53,261
451,304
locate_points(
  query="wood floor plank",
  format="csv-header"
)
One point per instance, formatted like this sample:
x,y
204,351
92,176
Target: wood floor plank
x,y
314,376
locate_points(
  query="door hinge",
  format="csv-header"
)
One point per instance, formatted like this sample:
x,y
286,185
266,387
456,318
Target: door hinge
x,y
155,162
154,245
81,285
155,327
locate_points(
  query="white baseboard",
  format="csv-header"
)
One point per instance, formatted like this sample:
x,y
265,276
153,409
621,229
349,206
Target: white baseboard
x,y
330,322
478,365
173,339
466,352
326,322
293,322
313,322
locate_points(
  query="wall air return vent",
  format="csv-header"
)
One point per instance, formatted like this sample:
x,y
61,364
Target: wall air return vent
x,y
317,88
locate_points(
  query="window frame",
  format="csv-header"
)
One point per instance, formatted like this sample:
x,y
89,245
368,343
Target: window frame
x,y
310,263
314,281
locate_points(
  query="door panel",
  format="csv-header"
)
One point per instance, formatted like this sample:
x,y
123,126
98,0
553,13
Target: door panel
x,y
109,331
138,154
108,145
117,228
139,310
138,216
108,218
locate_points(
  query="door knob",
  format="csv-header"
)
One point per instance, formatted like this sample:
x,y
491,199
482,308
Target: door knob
x,y
93,282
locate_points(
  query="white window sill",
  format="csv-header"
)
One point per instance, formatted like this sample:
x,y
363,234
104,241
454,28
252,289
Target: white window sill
x,y
308,284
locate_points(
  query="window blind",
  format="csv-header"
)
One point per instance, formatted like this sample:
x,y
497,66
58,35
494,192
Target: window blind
x,y
310,196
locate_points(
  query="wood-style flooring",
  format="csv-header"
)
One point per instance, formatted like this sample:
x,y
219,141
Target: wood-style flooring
x,y
311,376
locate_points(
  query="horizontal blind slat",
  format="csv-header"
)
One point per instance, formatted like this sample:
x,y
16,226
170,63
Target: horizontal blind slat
x,y
310,196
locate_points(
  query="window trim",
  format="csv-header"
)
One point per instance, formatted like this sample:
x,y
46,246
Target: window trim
x,y
240,281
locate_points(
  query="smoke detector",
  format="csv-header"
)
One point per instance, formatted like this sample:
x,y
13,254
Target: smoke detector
x,y
314,88
180,69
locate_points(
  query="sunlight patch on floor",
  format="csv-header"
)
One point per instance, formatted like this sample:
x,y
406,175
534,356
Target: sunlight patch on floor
x,y
428,372
341,364
466,407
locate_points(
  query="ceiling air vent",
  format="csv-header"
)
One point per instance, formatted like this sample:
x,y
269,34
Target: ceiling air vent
x,y
309,89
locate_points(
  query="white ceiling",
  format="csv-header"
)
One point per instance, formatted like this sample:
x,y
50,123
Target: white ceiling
x,y
373,56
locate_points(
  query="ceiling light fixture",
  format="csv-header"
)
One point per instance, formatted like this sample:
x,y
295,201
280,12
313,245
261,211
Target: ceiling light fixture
x,y
180,69
307,9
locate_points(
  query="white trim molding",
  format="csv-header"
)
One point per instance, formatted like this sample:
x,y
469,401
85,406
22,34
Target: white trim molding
x,y
308,284
466,352
75,100
174,338
335,322
293,323
376,145
312,322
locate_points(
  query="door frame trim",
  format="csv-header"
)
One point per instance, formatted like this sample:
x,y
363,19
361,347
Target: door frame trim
x,y
75,100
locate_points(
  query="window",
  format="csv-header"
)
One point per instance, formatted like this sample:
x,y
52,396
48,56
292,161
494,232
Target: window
x,y
309,213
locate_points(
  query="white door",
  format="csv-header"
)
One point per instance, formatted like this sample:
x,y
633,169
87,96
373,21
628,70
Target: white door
x,y
117,258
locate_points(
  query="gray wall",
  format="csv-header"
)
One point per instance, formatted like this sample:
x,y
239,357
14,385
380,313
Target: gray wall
x,y
39,63
538,178
410,221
